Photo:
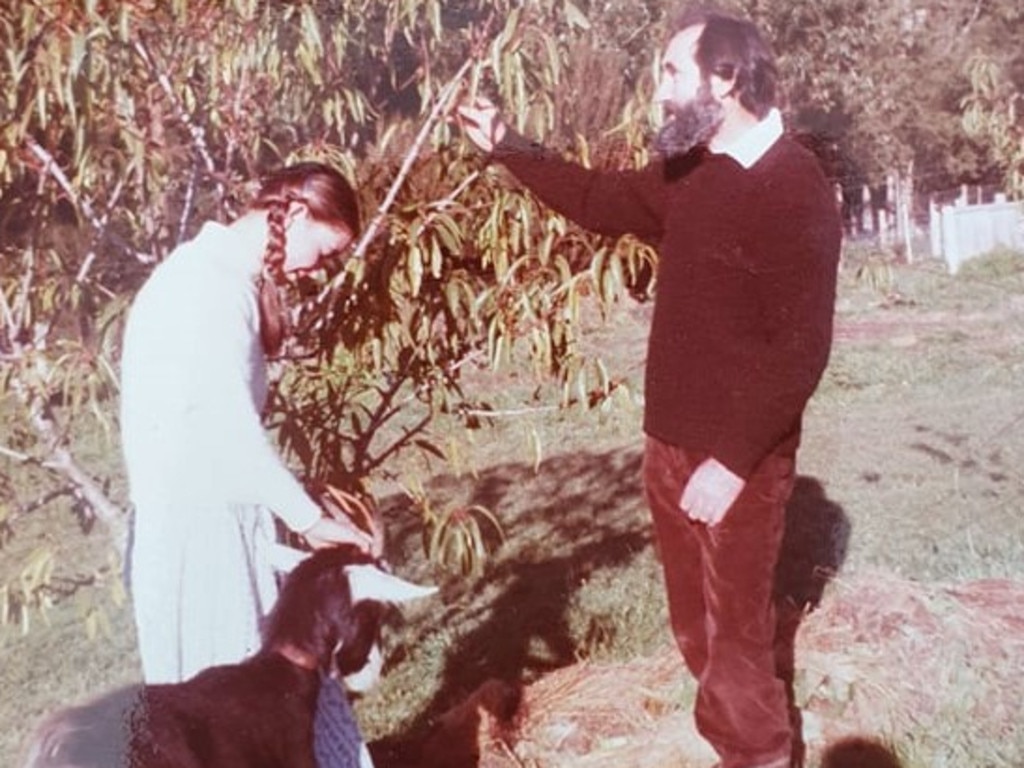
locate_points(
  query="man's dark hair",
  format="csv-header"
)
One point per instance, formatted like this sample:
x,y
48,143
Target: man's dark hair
x,y
730,48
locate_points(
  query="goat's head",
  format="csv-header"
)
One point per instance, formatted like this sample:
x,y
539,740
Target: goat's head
x,y
331,608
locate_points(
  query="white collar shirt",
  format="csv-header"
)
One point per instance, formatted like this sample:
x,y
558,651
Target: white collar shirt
x,y
752,145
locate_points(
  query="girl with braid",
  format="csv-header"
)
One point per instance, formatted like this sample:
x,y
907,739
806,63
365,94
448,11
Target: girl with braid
x,y
204,479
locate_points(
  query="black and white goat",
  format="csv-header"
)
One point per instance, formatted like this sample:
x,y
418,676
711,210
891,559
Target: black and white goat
x,y
259,712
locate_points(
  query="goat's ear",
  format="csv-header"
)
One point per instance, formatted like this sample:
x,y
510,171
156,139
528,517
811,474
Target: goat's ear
x,y
368,582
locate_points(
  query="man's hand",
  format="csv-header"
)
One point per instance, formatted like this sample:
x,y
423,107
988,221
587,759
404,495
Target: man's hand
x,y
330,532
710,492
481,122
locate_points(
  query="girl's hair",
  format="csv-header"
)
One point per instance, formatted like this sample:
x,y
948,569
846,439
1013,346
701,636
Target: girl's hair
x,y
329,198
324,191
733,49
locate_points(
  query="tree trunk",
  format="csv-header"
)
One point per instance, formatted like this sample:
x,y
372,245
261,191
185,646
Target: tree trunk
x,y
61,461
906,210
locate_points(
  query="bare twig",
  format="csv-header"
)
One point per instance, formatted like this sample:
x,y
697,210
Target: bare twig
x,y
52,169
509,412
504,746
87,263
472,356
975,15
24,458
10,324
449,199
407,435
104,222
195,130
16,311
186,209
61,461
439,109
42,501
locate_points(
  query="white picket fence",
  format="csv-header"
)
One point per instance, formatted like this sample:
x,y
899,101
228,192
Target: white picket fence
x,y
960,232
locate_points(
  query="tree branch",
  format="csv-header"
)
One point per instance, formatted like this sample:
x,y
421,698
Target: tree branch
x,y
16,313
509,412
10,323
975,15
439,109
408,435
58,457
195,130
18,456
186,209
61,461
26,509
51,168
90,257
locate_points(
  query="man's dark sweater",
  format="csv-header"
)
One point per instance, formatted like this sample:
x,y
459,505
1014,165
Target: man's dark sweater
x,y
745,286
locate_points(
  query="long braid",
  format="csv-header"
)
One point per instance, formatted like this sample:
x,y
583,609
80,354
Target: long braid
x,y
328,198
273,319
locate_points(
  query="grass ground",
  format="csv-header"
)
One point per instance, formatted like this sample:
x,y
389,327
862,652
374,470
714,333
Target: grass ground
x,y
912,459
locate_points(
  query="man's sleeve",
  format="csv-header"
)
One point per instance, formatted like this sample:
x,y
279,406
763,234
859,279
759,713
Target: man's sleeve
x,y
612,203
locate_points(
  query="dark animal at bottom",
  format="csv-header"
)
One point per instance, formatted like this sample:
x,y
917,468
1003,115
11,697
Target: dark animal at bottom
x,y
258,713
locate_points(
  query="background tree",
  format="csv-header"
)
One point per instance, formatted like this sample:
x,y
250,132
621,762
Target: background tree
x,y
994,108
878,85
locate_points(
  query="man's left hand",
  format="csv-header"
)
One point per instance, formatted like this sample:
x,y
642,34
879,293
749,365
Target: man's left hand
x,y
710,492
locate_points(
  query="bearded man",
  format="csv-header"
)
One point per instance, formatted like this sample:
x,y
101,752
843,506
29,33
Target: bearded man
x,y
748,236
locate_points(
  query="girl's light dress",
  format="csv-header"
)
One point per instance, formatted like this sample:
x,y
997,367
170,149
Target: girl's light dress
x,y
203,474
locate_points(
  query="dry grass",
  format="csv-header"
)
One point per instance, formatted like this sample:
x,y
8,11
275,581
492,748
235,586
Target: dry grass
x,y
886,655
880,655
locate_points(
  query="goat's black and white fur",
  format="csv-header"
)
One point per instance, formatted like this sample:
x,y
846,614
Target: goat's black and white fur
x,y
256,713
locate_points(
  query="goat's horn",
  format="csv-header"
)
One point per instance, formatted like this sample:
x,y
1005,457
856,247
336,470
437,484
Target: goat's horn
x,y
368,582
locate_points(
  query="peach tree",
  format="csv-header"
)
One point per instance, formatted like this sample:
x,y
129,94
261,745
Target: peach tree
x,y
124,126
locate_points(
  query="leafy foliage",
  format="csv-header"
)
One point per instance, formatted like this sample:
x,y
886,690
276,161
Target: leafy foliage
x,y
881,82
124,126
992,112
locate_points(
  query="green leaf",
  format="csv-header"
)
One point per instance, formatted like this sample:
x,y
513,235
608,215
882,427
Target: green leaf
x,y
430,447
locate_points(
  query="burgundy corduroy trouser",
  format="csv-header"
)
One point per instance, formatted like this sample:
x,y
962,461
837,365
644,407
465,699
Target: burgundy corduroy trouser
x,y
719,582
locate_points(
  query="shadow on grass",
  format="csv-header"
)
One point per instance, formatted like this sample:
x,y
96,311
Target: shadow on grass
x,y
814,547
583,513
859,752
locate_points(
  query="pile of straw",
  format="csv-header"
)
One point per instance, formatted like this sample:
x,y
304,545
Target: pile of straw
x,y
886,655
881,656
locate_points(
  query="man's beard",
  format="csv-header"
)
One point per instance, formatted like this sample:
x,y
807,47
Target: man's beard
x,y
689,124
